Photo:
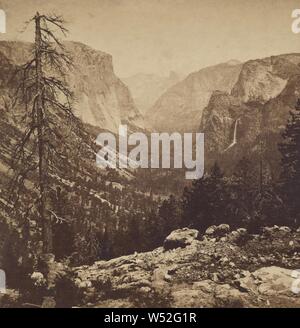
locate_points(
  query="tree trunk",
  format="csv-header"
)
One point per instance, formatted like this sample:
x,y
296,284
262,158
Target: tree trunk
x,y
45,219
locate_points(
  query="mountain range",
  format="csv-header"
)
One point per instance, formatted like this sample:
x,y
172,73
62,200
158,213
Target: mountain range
x,y
180,107
102,99
249,118
147,88
236,105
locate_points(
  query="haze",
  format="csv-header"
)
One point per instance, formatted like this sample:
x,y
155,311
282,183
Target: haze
x,y
159,36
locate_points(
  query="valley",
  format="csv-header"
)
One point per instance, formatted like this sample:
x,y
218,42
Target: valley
x,y
107,214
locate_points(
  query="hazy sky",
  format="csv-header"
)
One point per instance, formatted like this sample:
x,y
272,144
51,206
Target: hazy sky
x,y
157,36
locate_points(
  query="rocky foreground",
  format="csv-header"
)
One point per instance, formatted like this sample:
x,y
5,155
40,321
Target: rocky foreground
x,y
223,268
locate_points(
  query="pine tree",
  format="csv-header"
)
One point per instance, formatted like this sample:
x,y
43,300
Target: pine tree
x,y
243,187
217,195
169,215
45,96
205,203
290,176
194,203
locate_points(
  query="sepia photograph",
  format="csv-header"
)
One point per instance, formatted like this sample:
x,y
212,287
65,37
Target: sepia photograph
x,y
149,155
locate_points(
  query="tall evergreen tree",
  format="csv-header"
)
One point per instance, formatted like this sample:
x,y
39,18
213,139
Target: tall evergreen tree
x,y
45,96
169,215
243,187
205,203
290,176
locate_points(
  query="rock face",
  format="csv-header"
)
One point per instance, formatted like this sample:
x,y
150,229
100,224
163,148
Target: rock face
x,y
102,99
256,108
180,238
147,88
222,271
180,107
217,231
236,106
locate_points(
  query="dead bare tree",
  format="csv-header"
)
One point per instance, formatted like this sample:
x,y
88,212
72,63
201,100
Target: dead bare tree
x,y
47,100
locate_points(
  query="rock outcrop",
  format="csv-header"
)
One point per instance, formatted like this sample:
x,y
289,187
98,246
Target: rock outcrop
x,y
217,231
238,106
255,110
180,107
101,98
222,269
180,238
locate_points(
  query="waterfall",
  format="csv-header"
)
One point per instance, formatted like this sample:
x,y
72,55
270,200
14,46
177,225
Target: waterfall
x,y
234,133
234,141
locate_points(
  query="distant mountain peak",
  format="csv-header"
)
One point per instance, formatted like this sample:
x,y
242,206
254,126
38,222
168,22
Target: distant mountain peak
x,y
102,99
180,107
146,88
258,105
233,62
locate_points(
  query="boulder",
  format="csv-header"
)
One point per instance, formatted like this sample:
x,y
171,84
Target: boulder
x,y
275,280
198,295
38,279
10,299
238,235
285,229
247,283
218,231
269,230
279,287
211,230
227,296
180,238
242,231
276,232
